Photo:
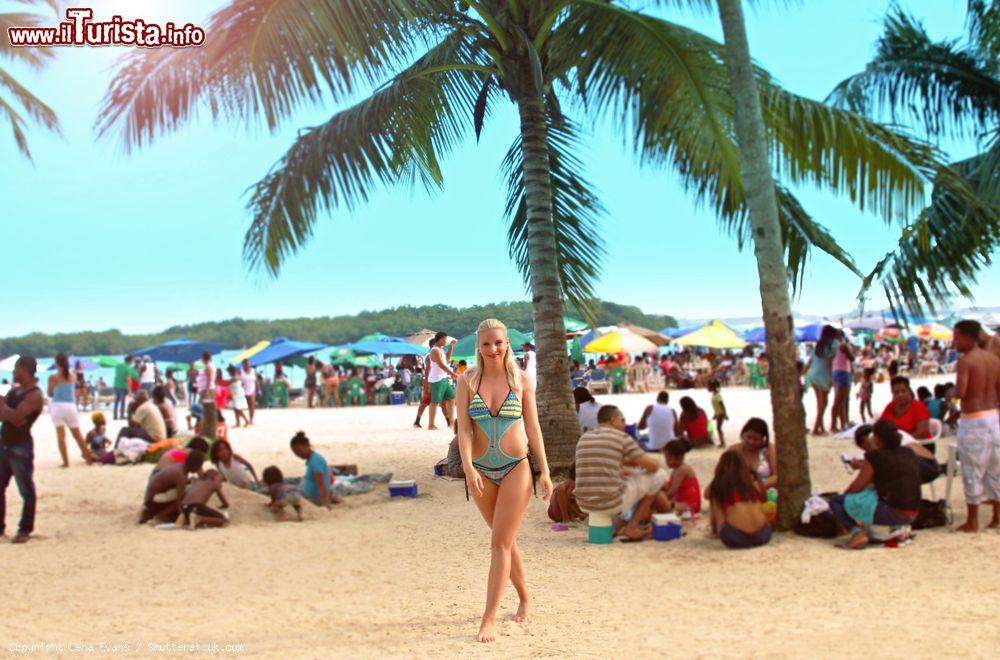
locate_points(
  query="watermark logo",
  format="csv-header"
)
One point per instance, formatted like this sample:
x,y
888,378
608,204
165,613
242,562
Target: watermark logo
x,y
81,30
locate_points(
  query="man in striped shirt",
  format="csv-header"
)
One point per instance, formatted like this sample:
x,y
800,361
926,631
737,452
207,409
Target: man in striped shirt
x,y
603,482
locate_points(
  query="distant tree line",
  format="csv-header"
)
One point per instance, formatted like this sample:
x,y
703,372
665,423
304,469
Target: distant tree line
x,y
238,333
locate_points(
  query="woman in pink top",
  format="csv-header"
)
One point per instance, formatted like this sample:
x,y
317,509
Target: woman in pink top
x,y
843,360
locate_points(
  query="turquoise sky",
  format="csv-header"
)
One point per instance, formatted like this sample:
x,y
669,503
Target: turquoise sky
x,y
96,239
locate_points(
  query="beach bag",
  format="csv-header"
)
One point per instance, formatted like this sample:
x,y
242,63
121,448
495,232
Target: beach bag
x,y
931,514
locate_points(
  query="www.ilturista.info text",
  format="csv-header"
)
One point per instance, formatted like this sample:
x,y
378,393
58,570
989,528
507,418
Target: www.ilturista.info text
x,y
80,30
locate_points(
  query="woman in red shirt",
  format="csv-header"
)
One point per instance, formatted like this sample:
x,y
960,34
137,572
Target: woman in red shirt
x,y
693,423
906,412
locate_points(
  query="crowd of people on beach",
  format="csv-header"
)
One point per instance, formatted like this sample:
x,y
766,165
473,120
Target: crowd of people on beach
x,y
739,495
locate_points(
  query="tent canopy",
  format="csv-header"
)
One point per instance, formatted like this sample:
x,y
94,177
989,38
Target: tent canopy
x,y
8,363
712,335
179,350
385,346
281,348
250,352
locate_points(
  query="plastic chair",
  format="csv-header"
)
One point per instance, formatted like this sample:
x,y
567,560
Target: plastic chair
x,y
757,380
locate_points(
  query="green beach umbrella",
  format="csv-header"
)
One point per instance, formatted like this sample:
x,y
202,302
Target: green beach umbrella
x,y
574,325
105,361
465,349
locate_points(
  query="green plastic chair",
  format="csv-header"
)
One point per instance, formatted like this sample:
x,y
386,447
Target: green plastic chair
x,y
356,390
281,394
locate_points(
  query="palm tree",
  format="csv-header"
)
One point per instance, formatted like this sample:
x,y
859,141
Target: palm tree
x,y
762,201
950,88
17,94
438,70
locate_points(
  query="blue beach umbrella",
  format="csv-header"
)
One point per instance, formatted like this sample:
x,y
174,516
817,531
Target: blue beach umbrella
x,y
385,346
282,348
179,350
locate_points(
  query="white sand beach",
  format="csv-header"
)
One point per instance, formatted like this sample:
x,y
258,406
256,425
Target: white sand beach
x,y
403,578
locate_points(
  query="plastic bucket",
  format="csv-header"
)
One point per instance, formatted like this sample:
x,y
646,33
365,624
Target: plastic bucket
x,y
601,528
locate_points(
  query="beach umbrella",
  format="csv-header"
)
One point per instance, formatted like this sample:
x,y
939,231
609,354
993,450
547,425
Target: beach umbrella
x,y
620,341
280,349
8,363
576,351
651,335
345,357
250,352
105,361
712,335
386,346
934,331
674,333
465,349
891,334
180,350
574,325
86,365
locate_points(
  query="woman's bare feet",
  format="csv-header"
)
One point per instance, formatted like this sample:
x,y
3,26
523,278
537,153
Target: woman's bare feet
x,y
971,526
524,610
486,630
857,541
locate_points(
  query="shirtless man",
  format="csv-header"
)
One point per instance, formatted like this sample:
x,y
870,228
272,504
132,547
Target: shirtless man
x,y
978,387
19,409
165,491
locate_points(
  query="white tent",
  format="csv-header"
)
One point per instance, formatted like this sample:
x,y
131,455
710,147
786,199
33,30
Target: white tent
x,y
8,364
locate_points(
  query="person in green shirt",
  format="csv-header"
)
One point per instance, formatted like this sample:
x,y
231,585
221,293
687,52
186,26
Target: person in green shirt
x,y
123,372
618,375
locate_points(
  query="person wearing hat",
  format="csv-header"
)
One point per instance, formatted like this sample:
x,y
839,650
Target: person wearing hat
x,y
18,411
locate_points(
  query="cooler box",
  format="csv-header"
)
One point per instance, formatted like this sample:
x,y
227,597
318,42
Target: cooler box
x,y
601,528
666,527
398,398
403,488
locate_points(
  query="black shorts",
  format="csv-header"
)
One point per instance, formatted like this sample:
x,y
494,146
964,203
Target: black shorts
x,y
202,510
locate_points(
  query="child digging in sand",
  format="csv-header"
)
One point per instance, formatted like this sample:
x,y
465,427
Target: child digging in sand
x,y
196,501
282,495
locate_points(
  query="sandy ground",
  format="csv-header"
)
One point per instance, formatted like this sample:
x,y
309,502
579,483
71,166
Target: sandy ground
x,y
400,578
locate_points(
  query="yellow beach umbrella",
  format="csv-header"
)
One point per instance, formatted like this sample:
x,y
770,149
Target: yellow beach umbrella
x,y
620,341
250,352
934,331
713,335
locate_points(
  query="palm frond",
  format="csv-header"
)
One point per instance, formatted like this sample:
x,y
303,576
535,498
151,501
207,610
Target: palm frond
x,y
17,127
33,106
34,57
576,209
983,23
949,89
951,241
394,136
251,69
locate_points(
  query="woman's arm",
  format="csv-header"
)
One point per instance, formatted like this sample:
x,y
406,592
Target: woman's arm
x,y
863,480
472,476
922,430
772,459
237,457
534,433
51,385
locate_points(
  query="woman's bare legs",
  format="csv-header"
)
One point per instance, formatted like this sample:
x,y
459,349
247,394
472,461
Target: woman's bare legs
x,y
82,444
503,509
837,409
821,399
61,437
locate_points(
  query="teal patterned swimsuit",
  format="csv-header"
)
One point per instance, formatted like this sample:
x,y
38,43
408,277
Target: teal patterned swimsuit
x,y
495,463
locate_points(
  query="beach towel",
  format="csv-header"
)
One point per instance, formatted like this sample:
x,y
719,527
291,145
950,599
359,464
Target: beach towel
x,y
358,484
131,449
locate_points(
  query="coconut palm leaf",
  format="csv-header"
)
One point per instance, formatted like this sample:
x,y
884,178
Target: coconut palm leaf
x,y
392,137
34,57
252,70
576,211
950,89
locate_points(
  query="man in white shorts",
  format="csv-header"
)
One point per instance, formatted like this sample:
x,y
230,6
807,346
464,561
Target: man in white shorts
x,y
605,482
978,387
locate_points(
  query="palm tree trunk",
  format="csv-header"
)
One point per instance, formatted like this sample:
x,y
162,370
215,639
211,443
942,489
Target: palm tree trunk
x,y
786,404
556,411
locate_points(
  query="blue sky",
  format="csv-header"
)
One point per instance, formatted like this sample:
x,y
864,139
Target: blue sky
x,y
98,239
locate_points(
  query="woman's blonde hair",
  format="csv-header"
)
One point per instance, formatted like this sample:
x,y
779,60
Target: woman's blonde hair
x,y
475,375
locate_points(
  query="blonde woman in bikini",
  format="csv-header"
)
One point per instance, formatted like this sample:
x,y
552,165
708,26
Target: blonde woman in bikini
x,y
497,424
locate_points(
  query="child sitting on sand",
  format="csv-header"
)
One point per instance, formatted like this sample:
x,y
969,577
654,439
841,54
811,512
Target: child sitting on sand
x,y
282,494
97,438
316,481
196,501
683,489
562,505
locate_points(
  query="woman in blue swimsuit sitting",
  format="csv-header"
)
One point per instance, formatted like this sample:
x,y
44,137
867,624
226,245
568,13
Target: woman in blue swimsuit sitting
x,y
497,423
